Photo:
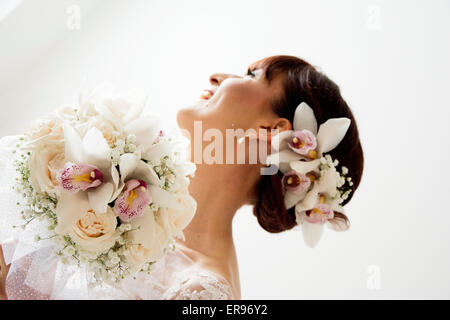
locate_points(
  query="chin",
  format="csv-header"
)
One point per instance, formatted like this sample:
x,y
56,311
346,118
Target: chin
x,y
185,121
188,114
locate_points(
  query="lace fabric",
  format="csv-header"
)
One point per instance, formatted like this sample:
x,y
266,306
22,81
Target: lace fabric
x,y
36,273
198,285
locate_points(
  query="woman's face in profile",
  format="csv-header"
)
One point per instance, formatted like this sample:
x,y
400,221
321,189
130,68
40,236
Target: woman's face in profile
x,y
237,102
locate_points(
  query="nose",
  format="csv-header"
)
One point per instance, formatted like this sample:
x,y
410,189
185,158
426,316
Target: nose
x,y
217,78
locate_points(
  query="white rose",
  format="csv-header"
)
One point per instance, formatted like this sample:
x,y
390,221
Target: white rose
x,y
45,140
121,107
67,112
175,219
92,231
109,130
147,240
45,131
44,164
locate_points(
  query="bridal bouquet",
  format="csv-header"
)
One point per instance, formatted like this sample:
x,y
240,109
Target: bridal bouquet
x,y
108,187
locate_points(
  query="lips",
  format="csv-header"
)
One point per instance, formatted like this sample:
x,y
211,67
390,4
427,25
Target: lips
x,y
207,94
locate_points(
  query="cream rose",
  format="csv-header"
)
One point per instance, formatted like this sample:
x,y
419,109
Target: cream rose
x,y
45,140
92,231
175,219
95,232
44,132
107,128
44,165
147,239
117,107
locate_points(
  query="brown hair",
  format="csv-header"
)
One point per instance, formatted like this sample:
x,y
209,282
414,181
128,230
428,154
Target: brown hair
x,y
304,83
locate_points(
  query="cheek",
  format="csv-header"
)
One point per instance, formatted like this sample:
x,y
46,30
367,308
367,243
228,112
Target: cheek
x,y
241,100
237,93
235,104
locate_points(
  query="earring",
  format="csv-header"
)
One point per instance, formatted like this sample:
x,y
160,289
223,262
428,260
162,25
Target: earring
x,y
248,135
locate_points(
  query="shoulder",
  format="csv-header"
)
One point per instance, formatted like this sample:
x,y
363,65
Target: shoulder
x,y
199,284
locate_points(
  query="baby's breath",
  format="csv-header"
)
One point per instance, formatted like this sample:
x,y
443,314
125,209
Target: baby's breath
x,y
113,264
344,183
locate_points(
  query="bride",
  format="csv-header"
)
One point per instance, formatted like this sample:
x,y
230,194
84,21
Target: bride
x,y
204,265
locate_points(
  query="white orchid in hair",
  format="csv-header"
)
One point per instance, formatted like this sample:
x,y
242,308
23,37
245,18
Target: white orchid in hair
x,y
311,182
305,141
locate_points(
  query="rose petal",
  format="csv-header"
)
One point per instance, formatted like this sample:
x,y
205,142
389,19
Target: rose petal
x,y
69,209
304,118
149,234
95,232
143,229
138,104
176,220
331,133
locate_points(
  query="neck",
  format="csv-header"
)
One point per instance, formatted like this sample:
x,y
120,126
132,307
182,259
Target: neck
x,y
220,190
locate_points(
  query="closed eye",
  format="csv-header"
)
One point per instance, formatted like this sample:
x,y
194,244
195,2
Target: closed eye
x,y
251,73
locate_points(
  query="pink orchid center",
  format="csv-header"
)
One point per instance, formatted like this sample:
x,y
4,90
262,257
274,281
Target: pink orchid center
x,y
76,177
296,182
132,202
303,142
319,214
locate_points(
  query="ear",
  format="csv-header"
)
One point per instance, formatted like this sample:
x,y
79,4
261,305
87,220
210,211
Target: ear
x,y
269,129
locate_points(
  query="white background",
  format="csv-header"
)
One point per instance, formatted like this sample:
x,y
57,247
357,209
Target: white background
x,y
390,58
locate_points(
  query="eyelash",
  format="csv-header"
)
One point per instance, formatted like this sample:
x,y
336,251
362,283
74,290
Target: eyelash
x,y
251,73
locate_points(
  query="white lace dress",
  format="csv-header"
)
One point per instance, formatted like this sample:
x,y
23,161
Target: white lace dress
x,y
36,273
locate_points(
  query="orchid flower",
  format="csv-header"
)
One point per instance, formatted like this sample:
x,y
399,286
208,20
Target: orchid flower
x,y
85,157
298,155
132,202
318,206
75,177
142,184
305,141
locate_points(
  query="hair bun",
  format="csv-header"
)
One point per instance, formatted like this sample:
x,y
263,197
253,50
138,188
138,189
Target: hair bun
x,y
270,209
